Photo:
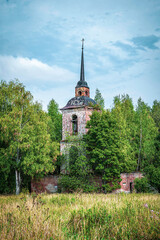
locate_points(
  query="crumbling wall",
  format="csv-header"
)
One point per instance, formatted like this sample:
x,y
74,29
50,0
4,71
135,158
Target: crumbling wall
x,y
49,184
127,183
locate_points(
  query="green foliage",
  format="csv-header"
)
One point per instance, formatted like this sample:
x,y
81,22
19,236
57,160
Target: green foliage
x,y
99,99
25,145
124,114
142,185
120,140
70,183
102,141
58,163
155,112
153,176
55,122
7,179
77,167
146,135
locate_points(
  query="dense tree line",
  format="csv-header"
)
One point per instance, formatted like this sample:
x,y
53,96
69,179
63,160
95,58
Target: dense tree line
x,y
125,139
120,139
27,146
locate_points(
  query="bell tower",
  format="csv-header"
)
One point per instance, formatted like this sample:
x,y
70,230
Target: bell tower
x,y
77,111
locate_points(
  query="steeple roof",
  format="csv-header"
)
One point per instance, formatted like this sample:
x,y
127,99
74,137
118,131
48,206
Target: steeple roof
x,y
82,82
82,100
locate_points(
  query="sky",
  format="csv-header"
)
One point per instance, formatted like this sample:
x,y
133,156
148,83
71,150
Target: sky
x,y
40,44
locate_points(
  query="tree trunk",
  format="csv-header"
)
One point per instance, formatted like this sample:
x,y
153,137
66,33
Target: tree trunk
x,y
17,172
18,182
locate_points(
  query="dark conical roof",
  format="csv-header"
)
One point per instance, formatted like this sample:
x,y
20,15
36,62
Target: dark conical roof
x,y
79,102
82,82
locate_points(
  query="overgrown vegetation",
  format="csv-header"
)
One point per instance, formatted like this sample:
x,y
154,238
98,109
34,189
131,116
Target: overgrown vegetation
x,y
26,146
80,216
122,139
125,139
77,168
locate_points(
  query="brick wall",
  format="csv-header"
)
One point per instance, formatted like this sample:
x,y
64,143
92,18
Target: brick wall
x,y
127,183
82,114
84,91
49,184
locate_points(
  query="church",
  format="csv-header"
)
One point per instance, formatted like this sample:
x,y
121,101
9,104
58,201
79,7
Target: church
x,y
77,111
75,115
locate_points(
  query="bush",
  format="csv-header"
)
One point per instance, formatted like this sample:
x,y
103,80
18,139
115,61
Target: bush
x,y
69,183
153,176
141,185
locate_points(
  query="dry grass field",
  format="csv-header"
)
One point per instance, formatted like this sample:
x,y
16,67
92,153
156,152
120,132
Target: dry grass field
x,y
80,216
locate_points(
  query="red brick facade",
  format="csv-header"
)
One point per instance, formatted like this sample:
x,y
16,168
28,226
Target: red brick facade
x,y
127,183
49,184
82,91
83,115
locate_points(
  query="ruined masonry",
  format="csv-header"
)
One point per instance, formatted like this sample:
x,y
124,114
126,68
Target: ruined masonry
x,y
74,118
78,109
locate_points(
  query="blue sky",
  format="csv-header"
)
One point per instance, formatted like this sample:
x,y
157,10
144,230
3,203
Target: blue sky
x,y
40,44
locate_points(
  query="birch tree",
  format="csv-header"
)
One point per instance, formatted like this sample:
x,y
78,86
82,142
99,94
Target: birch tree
x,y
24,141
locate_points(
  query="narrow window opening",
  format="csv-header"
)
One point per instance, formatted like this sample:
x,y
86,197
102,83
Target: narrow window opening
x,y
79,93
131,187
86,93
74,125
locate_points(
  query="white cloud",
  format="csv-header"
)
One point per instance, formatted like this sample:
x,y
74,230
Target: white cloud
x,y
33,71
45,82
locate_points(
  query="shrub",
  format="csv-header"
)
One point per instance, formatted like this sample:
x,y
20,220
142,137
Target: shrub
x,y
69,183
153,176
141,185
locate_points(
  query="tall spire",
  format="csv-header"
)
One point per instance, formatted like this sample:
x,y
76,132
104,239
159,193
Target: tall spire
x,y
82,77
82,88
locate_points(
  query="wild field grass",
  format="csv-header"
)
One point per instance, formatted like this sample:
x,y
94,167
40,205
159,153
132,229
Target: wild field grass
x,y
80,216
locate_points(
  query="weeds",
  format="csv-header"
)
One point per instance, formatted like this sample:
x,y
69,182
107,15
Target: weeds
x,y
80,216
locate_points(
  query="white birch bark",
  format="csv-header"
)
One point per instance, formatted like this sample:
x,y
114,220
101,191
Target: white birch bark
x,y
17,172
18,182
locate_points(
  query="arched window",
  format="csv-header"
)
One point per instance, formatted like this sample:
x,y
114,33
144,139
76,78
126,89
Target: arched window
x,y
74,124
86,93
79,93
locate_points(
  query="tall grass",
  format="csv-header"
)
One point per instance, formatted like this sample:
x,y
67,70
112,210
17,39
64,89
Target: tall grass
x,y
80,216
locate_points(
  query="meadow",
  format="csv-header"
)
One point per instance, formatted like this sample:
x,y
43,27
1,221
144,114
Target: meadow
x,y
80,216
